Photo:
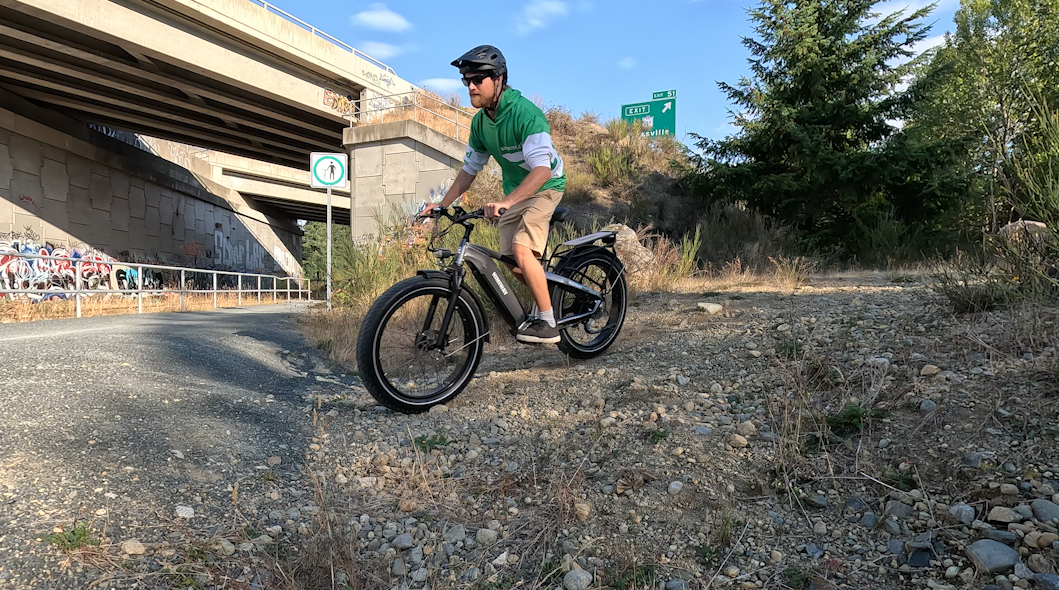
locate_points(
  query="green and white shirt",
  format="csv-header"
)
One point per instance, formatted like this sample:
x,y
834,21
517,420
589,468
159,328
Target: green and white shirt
x,y
519,139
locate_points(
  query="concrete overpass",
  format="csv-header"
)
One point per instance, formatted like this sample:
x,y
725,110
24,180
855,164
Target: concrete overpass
x,y
230,75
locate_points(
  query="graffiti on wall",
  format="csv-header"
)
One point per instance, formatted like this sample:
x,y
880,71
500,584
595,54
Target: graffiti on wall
x,y
339,103
53,277
26,235
240,254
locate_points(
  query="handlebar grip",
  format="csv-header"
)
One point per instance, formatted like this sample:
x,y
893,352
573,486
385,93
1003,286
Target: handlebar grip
x,y
501,211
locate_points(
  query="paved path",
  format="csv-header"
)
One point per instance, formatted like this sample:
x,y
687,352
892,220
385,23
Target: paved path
x,y
120,419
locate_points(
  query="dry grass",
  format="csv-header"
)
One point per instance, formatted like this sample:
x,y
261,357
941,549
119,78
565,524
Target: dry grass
x,y
99,305
432,110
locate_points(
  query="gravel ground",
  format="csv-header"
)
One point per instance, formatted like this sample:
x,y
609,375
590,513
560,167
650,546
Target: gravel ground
x,y
850,434
145,429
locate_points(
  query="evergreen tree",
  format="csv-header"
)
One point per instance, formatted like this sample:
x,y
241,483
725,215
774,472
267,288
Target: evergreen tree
x,y
818,146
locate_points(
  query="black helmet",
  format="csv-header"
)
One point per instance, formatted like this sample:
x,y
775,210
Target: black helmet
x,y
482,59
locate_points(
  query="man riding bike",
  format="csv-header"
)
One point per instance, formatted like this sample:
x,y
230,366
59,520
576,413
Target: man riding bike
x,y
515,132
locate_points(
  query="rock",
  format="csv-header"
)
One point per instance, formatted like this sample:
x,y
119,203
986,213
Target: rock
x,y
869,520
408,506
486,537
416,555
952,572
816,501
738,441
577,580
682,380
1003,514
1009,489
1038,564
631,252
403,541
501,560
455,534
702,430
1044,510
185,512
676,584
1006,537
471,574
399,568
747,429
439,409
776,556
813,551
884,442
880,362
927,406
581,511
1047,581
919,558
716,388
730,571
710,308
1040,540
224,546
420,575
961,513
820,528
675,487
898,509
992,556
891,527
973,460
929,371
133,547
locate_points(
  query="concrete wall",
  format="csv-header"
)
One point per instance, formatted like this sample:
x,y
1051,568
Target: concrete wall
x,y
84,189
394,167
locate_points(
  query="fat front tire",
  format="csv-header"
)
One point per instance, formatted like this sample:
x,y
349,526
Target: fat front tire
x,y
396,356
600,270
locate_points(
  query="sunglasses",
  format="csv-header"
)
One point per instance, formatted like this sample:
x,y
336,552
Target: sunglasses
x,y
476,80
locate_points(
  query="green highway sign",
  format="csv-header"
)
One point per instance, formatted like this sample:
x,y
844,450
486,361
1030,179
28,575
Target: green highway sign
x,y
664,94
659,117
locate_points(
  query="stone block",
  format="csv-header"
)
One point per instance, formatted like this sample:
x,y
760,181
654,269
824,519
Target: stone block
x,y
152,195
200,210
399,146
26,154
51,152
100,191
54,179
188,213
363,225
368,192
137,236
200,227
27,192
5,167
120,242
119,214
433,185
137,202
367,161
55,214
119,184
29,228
79,171
79,204
80,234
101,228
7,209
55,235
400,172
432,159
151,224
165,207
5,137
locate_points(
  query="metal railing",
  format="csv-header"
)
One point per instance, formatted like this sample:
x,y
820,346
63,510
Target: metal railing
x,y
282,13
422,108
85,271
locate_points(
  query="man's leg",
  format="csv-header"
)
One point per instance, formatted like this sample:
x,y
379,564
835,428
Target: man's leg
x,y
532,274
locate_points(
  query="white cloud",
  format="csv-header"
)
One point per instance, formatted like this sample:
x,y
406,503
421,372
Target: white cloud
x,y
627,64
382,18
928,44
443,85
380,50
538,13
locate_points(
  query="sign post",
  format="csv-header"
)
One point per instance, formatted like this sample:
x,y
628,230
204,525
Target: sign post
x,y
328,171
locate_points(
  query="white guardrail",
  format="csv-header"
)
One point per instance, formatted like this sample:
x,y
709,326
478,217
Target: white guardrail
x,y
437,114
282,13
78,278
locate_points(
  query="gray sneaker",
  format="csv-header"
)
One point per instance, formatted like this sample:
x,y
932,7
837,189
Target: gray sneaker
x,y
538,332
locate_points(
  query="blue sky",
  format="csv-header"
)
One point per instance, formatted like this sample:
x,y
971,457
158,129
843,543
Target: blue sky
x,y
586,55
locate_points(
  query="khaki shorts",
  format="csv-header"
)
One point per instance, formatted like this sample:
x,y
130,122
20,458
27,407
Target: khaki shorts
x,y
526,222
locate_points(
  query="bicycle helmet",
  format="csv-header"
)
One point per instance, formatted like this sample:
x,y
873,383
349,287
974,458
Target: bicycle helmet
x,y
483,59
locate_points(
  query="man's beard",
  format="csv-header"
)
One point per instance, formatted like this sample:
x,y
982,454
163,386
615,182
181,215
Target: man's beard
x,y
479,101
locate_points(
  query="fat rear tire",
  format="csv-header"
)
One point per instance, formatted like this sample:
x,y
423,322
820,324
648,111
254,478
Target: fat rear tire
x,y
564,302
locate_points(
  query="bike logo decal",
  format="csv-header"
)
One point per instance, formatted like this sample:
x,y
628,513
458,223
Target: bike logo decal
x,y
499,283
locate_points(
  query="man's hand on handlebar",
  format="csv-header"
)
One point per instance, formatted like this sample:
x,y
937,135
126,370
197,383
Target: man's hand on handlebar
x,y
494,210
429,208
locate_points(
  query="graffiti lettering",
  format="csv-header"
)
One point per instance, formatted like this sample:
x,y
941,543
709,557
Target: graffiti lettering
x,y
379,79
53,277
20,236
338,102
27,199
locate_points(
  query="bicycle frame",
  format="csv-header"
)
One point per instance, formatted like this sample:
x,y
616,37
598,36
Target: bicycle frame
x,y
481,261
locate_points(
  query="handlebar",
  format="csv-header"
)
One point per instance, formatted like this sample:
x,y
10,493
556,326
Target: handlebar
x,y
458,215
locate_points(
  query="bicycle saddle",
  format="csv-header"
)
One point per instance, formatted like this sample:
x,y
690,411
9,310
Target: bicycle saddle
x,y
560,214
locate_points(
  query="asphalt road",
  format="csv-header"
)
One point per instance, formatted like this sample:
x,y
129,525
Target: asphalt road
x,y
116,421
